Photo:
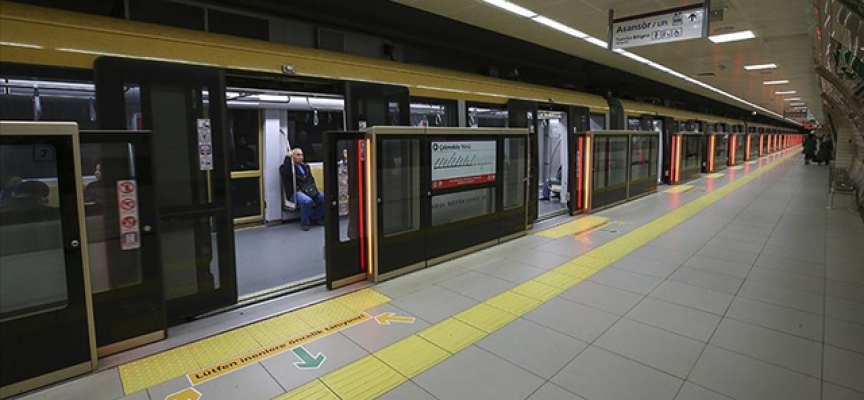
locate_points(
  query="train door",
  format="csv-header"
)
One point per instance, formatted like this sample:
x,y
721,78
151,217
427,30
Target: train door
x,y
579,122
184,107
369,104
124,256
553,126
522,114
46,322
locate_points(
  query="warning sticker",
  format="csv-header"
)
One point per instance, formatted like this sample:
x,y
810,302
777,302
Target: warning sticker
x,y
205,144
127,205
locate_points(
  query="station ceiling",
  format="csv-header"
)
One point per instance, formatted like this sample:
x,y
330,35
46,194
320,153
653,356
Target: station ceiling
x,y
784,31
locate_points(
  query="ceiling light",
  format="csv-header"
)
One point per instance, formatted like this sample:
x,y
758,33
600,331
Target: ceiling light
x,y
560,27
786,92
797,104
783,82
270,97
732,37
597,42
760,66
513,8
792,99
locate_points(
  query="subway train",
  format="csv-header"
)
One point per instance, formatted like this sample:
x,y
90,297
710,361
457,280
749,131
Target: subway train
x,y
203,122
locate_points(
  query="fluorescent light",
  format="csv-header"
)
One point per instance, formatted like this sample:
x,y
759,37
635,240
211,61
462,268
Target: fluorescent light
x,y
732,37
275,98
760,66
513,8
24,45
792,99
786,92
797,104
597,42
783,82
560,27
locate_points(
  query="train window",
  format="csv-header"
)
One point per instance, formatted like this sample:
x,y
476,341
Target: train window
x,y
598,122
433,112
244,126
400,196
306,130
487,117
43,100
33,273
515,161
634,124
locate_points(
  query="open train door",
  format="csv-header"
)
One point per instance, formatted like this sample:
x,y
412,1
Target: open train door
x,y
346,222
184,108
346,173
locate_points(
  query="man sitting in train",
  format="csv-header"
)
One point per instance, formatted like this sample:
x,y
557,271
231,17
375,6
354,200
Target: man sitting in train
x,y
299,176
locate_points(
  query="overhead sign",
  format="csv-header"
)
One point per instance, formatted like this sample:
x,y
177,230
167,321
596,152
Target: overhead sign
x,y
465,163
127,205
672,25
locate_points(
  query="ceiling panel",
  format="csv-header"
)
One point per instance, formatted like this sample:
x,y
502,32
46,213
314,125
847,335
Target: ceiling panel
x,y
783,29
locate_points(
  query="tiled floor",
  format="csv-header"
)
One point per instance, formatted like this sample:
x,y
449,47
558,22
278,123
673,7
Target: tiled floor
x,y
759,296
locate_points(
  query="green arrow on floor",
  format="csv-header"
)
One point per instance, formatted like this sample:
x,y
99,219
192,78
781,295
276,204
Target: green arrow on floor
x,y
307,361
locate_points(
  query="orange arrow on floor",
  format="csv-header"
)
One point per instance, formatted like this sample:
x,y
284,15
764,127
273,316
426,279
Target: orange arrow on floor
x,y
185,394
388,317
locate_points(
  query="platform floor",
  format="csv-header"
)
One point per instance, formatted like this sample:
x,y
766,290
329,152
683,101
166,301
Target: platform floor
x,y
744,287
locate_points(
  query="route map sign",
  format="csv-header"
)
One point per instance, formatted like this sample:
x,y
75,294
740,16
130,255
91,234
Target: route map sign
x,y
664,26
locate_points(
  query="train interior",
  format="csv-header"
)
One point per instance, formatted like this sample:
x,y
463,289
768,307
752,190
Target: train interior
x,y
272,252
552,149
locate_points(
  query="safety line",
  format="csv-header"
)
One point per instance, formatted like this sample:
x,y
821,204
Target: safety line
x,y
380,372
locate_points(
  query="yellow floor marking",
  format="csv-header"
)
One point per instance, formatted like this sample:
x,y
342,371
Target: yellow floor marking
x,y
215,370
362,300
737,167
366,378
576,227
485,317
537,290
156,369
223,346
315,390
452,335
575,270
715,175
679,189
323,313
277,328
162,367
559,280
412,355
513,303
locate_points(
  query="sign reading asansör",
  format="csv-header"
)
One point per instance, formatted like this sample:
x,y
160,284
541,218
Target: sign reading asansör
x,y
682,23
462,163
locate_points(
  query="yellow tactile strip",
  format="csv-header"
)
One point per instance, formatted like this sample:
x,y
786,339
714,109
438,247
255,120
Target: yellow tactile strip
x,y
576,227
679,189
159,368
374,374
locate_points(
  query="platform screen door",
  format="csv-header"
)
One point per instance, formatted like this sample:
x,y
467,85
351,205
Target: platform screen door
x,y
184,107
